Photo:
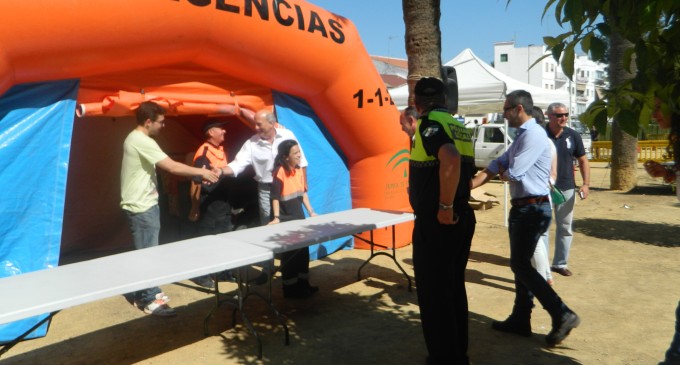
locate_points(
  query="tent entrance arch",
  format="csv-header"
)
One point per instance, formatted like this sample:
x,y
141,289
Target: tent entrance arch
x,y
96,46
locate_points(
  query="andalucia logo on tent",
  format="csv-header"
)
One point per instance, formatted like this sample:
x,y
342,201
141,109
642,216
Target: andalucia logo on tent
x,y
398,159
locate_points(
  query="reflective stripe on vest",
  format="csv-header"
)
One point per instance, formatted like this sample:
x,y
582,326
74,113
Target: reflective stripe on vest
x,y
459,134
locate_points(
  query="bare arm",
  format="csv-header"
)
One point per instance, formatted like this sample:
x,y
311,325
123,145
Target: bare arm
x,y
449,177
481,178
226,170
308,205
177,168
194,196
247,115
585,175
276,210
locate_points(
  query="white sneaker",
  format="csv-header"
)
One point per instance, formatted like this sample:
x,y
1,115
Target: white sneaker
x,y
159,308
162,297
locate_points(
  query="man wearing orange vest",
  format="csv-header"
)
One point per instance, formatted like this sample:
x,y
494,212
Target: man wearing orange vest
x,y
210,202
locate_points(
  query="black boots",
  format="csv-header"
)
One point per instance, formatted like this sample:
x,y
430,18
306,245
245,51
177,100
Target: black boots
x,y
561,327
300,290
519,325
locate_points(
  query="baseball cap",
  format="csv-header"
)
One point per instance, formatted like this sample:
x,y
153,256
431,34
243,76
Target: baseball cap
x,y
211,123
429,86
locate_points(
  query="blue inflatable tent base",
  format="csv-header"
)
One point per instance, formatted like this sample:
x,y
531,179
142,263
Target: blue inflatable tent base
x,y
36,124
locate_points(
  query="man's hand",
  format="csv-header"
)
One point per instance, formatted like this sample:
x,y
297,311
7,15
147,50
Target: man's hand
x,y
656,169
194,214
584,191
447,216
210,175
501,171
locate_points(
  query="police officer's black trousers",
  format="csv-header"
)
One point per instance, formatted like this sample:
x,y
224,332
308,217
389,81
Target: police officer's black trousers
x,y
440,254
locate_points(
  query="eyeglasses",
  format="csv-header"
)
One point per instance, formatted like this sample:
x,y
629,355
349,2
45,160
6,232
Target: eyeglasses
x,y
560,115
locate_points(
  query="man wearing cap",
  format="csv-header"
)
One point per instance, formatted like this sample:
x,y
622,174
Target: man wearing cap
x,y
440,168
210,202
526,165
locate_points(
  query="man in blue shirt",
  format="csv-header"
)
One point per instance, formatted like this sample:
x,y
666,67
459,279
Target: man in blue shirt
x,y
526,165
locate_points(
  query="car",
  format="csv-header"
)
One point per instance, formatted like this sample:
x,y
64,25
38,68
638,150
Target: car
x,y
489,142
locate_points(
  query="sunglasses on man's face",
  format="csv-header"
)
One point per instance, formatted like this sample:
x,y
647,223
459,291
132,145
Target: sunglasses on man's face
x,y
560,115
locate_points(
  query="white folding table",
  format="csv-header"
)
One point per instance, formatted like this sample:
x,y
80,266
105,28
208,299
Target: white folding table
x,y
51,290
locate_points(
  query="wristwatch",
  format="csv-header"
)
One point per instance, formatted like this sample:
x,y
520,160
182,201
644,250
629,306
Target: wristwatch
x,y
443,206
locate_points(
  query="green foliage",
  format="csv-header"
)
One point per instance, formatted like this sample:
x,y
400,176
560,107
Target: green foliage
x,y
652,26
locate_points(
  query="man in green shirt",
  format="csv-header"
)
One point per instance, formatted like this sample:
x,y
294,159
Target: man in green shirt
x,y
139,192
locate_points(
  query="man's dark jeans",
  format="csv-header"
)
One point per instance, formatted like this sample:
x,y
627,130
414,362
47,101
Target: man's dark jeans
x,y
145,228
525,226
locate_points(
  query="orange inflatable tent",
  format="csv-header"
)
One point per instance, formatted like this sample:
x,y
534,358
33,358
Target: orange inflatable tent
x,y
198,58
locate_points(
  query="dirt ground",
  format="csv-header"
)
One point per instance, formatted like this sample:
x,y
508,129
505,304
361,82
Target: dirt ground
x,y
625,261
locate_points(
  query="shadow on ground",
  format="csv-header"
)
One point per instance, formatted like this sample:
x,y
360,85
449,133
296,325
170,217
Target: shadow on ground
x,y
656,234
374,321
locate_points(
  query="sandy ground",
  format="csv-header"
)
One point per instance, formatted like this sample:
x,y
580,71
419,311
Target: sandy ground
x,y
624,258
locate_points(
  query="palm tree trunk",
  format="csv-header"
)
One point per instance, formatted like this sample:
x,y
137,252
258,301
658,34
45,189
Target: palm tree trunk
x,y
423,40
624,146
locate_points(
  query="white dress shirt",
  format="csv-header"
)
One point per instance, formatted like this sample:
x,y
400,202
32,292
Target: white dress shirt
x,y
261,154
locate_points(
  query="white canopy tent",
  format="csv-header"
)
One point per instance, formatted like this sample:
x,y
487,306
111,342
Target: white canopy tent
x,y
482,88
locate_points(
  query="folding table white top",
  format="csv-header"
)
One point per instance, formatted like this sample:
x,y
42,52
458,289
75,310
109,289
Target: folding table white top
x,y
70,285
301,233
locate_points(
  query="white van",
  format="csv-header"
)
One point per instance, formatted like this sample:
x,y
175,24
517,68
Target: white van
x,y
489,142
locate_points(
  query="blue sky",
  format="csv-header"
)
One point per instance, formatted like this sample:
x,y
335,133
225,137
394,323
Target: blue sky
x,y
474,24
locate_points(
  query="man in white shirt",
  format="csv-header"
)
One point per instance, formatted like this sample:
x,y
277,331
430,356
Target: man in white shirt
x,y
259,151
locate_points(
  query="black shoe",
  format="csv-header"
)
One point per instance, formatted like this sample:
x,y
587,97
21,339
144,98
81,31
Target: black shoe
x,y
561,329
297,291
521,327
562,271
204,281
305,283
225,276
261,279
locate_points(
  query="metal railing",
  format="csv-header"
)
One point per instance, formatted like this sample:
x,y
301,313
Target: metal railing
x,y
647,150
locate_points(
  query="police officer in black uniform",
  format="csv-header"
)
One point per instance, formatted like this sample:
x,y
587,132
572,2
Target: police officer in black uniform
x,y
441,166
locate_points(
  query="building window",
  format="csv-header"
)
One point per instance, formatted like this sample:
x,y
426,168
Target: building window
x,y
547,67
504,57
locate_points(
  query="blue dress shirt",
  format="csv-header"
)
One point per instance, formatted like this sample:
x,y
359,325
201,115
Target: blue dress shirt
x,y
526,163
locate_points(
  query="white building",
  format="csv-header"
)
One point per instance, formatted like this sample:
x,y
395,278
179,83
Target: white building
x,y
588,78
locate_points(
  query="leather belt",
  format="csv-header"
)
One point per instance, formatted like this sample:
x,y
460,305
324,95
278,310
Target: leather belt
x,y
529,200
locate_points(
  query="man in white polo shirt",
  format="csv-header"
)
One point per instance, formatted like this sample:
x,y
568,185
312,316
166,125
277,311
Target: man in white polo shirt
x,y
259,151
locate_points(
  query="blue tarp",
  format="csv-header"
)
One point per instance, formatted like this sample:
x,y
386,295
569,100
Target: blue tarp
x,y
36,124
328,175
